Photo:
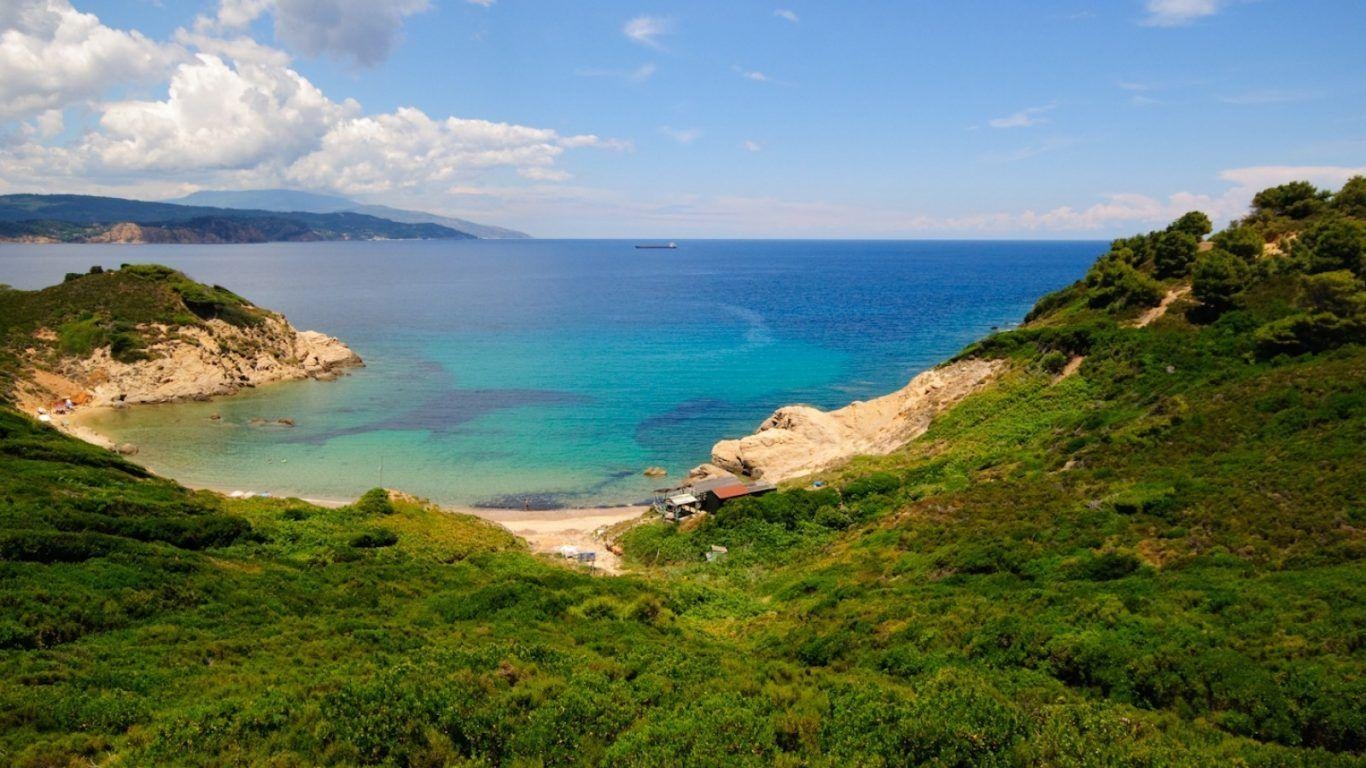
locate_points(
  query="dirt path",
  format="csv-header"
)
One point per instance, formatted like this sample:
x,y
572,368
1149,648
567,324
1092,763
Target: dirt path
x,y
1161,309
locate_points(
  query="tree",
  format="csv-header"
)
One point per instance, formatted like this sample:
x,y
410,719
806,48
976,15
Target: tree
x,y
1296,200
1217,277
1117,285
1174,253
1339,293
1332,245
1244,242
1351,199
1194,223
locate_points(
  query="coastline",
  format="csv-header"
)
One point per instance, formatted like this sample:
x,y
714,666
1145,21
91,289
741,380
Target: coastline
x,y
546,531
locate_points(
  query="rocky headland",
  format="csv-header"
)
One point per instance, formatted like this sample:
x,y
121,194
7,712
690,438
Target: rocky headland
x,y
799,440
194,362
193,342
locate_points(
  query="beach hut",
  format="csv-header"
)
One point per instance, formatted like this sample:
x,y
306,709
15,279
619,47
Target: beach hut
x,y
679,506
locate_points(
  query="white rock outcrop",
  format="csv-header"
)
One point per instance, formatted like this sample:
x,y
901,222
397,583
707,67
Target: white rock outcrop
x,y
798,440
215,358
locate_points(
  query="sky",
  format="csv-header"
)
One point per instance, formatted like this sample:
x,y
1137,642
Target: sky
x,y
659,118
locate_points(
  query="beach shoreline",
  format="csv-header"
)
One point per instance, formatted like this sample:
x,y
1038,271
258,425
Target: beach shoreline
x,y
546,531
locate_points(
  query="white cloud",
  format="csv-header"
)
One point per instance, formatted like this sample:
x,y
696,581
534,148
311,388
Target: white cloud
x,y
752,74
234,15
646,29
52,55
484,3
49,123
1025,118
1259,177
681,135
217,116
749,145
239,48
786,14
1177,13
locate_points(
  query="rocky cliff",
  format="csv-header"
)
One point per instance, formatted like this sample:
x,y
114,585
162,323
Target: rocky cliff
x,y
798,440
192,362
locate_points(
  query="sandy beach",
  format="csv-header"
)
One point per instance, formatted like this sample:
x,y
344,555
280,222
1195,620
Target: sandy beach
x,y
547,531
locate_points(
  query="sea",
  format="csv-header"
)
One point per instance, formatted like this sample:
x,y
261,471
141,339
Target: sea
x,y
551,373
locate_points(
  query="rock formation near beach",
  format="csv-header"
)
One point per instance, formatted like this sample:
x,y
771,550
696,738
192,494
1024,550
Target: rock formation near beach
x,y
208,359
798,440
147,334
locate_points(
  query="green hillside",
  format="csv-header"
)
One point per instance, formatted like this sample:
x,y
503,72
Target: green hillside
x,y
1141,546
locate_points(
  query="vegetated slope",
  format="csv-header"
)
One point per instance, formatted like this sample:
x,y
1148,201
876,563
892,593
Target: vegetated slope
x,y
1174,528
84,218
1155,560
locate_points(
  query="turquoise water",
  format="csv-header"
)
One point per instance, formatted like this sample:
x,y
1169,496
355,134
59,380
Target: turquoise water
x,y
551,373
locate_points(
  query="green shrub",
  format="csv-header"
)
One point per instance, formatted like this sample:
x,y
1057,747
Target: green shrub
x,y
375,539
82,337
1053,362
375,502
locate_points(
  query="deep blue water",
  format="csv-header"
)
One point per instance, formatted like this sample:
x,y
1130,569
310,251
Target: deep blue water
x,y
557,370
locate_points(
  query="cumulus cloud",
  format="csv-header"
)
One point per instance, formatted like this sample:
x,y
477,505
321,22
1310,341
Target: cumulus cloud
x,y
1177,13
750,145
1025,118
787,15
361,31
52,55
217,116
647,29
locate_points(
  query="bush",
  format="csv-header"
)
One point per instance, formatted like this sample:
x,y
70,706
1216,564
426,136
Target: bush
x,y
878,482
1053,362
374,539
81,337
375,502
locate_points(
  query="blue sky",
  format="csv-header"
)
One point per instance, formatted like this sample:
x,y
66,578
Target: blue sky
x,y
796,119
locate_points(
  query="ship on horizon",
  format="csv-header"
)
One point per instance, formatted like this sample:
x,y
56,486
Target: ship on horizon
x,y
669,246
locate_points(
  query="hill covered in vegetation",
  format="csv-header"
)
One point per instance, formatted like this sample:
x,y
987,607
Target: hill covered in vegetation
x,y
84,218
1140,545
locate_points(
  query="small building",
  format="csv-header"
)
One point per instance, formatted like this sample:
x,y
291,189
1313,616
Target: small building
x,y
674,504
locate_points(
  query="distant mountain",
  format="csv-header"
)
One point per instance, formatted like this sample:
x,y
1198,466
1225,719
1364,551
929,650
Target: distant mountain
x,y
84,218
289,200
268,200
